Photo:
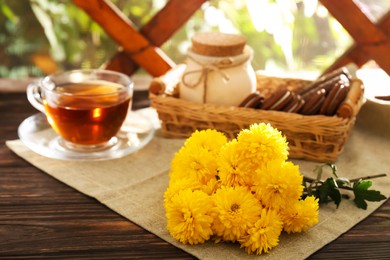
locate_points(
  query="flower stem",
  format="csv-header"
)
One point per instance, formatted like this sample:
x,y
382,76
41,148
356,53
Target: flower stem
x,y
309,179
369,177
345,188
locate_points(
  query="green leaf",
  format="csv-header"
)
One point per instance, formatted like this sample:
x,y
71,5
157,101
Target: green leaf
x,y
39,8
360,203
363,194
7,11
328,189
335,196
362,185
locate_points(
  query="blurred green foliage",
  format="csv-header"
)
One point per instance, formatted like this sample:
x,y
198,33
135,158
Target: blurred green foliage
x,y
37,36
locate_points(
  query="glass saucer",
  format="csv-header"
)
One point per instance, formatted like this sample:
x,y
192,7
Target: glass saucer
x,y
36,133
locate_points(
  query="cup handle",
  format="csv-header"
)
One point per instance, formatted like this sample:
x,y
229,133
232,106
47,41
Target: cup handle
x,y
34,95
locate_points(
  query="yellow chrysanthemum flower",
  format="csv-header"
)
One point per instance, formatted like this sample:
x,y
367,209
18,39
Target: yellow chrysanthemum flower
x,y
236,211
175,186
264,235
264,144
278,185
211,186
189,216
300,216
211,140
243,190
194,161
233,169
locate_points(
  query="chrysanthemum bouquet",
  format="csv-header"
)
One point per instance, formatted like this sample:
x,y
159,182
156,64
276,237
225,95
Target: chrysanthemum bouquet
x,y
242,191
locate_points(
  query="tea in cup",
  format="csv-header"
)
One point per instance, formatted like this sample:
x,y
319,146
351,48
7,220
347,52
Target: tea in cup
x,y
85,107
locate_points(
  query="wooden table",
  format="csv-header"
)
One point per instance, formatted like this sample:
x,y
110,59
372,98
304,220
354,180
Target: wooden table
x,y
42,218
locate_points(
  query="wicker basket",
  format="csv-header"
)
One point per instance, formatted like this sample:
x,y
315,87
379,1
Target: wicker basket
x,y
317,138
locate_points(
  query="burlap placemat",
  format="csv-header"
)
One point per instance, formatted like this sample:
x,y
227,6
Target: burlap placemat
x,y
133,186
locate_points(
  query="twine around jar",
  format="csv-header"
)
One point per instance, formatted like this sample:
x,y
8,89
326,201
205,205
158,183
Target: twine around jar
x,y
205,68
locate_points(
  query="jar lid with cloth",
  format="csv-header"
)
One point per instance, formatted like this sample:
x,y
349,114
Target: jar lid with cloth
x,y
219,69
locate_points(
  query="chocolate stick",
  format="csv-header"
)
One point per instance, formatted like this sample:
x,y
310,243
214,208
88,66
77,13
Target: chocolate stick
x,y
347,108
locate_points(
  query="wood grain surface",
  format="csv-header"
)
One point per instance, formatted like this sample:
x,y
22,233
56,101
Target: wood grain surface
x,y
372,40
123,31
42,218
157,30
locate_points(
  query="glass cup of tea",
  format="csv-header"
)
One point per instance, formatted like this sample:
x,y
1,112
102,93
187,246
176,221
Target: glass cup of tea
x,y
86,108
